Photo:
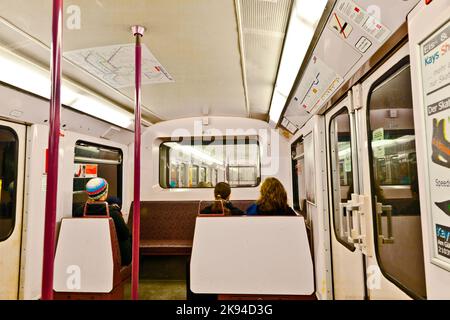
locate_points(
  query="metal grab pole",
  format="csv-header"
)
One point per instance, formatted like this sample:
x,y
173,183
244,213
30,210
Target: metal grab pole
x,y
138,32
53,150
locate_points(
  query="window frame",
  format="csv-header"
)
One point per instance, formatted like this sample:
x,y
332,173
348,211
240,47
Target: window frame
x,y
295,182
404,62
16,176
119,166
210,139
338,112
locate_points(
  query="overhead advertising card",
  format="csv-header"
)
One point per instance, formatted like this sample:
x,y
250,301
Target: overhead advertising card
x,y
435,54
115,65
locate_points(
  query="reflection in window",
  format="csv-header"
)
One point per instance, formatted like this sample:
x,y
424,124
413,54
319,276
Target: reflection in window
x,y
342,173
234,160
8,181
92,161
395,186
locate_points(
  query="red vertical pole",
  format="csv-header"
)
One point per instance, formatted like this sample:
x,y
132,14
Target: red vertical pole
x,y
53,149
138,32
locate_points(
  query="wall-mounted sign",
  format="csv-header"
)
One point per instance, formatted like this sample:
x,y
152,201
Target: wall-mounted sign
x,y
342,27
319,83
363,44
368,22
435,55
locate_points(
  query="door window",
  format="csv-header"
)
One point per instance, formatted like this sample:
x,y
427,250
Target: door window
x,y
91,161
341,173
395,190
9,152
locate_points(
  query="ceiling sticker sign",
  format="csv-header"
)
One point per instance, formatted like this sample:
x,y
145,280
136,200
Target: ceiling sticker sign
x,y
363,44
319,84
435,56
341,26
354,12
370,23
115,65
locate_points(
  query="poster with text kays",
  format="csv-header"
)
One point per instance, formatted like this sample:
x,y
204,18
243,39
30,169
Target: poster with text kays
x,y
435,53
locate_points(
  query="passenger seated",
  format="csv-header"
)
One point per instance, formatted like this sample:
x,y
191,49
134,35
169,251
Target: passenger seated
x,y
272,201
97,190
222,192
115,201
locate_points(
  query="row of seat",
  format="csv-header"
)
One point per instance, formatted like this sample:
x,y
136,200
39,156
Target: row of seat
x,y
90,247
87,259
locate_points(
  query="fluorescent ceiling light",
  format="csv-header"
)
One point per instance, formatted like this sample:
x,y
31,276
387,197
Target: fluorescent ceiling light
x,y
303,22
27,76
278,102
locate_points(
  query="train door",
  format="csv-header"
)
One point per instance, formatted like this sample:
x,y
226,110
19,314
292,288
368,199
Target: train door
x,y
429,36
348,263
390,210
12,160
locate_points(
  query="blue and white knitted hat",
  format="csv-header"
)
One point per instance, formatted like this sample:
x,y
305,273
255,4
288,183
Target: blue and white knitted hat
x,y
96,188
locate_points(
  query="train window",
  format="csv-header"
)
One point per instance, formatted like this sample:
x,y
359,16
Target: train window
x,y
341,173
8,180
202,163
298,167
91,161
395,190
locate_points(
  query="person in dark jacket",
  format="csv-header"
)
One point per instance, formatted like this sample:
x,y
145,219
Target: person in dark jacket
x,y
272,201
222,192
97,190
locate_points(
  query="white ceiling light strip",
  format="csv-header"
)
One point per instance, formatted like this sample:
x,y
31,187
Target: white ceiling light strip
x,y
304,19
30,77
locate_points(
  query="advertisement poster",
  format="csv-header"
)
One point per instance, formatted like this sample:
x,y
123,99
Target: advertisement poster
x,y
435,54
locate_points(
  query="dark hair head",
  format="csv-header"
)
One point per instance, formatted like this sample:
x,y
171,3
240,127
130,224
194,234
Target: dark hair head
x,y
273,195
222,191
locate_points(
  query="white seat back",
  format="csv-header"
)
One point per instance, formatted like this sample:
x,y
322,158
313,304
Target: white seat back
x,y
251,255
84,256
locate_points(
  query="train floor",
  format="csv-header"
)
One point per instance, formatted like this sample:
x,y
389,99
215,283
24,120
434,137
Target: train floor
x,y
161,278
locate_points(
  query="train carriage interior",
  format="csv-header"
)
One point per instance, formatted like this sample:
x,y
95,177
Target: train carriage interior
x,y
206,150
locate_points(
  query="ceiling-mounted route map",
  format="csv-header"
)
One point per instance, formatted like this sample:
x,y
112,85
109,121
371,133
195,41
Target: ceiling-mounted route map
x,y
115,65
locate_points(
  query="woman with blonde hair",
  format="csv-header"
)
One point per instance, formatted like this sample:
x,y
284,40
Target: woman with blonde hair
x,y
272,201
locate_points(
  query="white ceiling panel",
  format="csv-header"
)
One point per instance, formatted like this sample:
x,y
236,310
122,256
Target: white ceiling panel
x,y
197,41
263,25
